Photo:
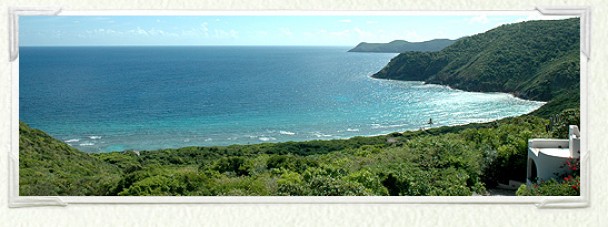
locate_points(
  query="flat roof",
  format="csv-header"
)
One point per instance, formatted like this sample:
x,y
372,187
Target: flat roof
x,y
556,152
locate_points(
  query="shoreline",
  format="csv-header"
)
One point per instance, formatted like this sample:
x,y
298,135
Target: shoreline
x,y
389,134
513,94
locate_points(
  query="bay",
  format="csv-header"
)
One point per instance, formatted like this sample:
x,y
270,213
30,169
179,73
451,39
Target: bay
x,y
101,99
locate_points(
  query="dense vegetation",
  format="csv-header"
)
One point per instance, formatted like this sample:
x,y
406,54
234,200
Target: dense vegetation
x,y
50,167
456,160
433,162
401,46
536,60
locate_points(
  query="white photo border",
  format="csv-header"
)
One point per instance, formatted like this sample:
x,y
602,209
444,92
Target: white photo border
x,y
540,201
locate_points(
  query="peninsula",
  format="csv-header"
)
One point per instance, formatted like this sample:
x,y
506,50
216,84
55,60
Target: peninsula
x,y
402,46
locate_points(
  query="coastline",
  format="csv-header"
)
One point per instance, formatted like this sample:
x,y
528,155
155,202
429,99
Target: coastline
x,y
513,94
449,127
270,139
322,136
95,142
559,101
344,151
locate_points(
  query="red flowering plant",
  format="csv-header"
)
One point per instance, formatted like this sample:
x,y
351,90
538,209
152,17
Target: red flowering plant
x,y
572,175
566,184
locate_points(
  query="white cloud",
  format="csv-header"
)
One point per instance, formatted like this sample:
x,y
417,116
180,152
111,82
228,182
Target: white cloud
x,y
481,19
102,31
226,34
153,32
159,32
363,35
98,32
139,31
205,29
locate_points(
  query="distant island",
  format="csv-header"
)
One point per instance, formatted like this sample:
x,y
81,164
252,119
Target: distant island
x,y
402,46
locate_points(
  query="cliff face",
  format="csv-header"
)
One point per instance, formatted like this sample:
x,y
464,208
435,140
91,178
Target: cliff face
x,y
536,60
401,46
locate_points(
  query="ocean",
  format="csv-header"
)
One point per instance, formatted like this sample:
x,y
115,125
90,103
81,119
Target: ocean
x,y
100,99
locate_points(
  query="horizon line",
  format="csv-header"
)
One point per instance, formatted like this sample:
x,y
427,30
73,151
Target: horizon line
x,y
186,45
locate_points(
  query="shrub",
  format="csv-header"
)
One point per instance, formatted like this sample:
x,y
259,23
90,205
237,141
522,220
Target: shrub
x,y
560,122
568,184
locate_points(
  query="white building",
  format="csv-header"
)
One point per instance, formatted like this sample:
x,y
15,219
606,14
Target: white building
x,y
547,157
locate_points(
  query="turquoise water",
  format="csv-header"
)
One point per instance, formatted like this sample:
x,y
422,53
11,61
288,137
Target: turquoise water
x,y
101,99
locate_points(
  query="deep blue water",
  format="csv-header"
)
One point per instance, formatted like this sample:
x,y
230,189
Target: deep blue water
x,y
117,98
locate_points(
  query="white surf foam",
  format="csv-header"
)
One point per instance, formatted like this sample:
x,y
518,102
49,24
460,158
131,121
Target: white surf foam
x,y
72,140
267,138
319,135
379,126
287,133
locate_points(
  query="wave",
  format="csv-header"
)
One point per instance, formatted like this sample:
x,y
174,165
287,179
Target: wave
x,y
86,144
379,126
287,133
352,130
319,135
267,138
94,137
72,140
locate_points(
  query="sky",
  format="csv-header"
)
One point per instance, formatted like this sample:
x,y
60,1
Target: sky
x,y
267,30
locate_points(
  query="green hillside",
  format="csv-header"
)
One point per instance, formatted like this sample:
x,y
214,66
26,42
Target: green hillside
x,y
536,60
457,160
401,46
49,167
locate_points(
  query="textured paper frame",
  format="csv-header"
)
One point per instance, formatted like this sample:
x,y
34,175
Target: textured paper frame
x,y
540,201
